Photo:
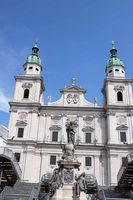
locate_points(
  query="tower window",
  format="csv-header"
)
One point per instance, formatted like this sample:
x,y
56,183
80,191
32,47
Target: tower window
x,y
30,67
52,160
20,132
119,96
88,161
26,94
122,71
117,70
54,136
110,71
37,69
17,156
88,137
25,69
123,137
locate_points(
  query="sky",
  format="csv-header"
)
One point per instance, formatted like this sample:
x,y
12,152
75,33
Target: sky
x,y
74,38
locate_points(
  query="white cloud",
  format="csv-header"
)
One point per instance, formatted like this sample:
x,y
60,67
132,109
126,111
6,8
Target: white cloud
x,y
4,106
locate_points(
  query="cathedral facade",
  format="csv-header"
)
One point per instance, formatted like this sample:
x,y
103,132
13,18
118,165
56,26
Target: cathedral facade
x,y
103,136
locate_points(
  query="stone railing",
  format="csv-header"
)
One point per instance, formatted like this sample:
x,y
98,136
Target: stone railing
x,y
128,159
4,151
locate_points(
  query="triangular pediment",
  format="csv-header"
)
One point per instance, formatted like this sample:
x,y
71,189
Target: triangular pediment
x,y
55,127
88,128
122,127
72,88
21,123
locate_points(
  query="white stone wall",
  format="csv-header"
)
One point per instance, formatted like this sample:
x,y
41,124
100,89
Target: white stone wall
x,y
36,146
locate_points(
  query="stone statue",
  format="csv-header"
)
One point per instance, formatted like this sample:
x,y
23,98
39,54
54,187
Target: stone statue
x,y
57,178
85,183
70,132
49,184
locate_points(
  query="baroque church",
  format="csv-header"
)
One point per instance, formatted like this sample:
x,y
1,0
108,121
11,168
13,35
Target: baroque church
x,y
103,135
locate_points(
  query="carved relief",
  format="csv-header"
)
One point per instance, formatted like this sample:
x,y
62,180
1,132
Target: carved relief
x,y
72,98
88,118
75,98
27,85
119,88
68,175
23,115
69,98
121,120
56,117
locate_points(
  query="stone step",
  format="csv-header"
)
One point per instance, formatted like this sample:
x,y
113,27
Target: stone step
x,y
21,190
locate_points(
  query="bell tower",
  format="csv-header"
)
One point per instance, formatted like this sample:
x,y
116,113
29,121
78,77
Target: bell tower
x,y
117,89
29,85
118,104
25,114
26,101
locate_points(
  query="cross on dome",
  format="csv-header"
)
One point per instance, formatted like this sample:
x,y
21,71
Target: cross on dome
x,y
113,44
73,81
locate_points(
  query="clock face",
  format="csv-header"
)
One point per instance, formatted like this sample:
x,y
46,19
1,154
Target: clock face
x,y
72,98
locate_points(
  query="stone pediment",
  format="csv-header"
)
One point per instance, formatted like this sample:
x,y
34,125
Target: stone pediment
x,y
73,96
21,123
72,88
122,127
88,128
55,128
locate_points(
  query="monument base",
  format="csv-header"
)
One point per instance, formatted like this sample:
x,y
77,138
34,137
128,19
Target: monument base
x,y
64,193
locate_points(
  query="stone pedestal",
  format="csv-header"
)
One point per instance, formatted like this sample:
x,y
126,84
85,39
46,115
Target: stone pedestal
x,y
67,166
64,193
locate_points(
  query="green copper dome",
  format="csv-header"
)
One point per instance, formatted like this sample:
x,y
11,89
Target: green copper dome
x,y
114,60
34,57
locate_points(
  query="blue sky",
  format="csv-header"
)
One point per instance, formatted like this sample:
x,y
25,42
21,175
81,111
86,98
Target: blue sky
x,y
74,38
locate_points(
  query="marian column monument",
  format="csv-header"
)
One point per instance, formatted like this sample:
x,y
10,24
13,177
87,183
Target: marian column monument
x,y
65,183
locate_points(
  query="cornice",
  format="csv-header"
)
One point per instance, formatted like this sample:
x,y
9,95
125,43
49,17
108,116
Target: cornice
x,y
118,80
118,146
49,145
119,107
115,80
28,77
31,77
72,108
24,104
87,147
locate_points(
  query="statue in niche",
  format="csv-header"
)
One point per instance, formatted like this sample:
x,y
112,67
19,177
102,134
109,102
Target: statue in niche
x,y
70,132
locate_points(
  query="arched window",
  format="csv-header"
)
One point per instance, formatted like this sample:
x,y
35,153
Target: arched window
x,y
119,96
26,93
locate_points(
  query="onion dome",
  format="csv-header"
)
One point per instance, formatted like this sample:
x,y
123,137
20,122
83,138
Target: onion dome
x,y
34,57
114,60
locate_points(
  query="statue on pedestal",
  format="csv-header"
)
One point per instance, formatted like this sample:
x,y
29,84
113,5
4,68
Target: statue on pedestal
x,y
70,129
70,132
